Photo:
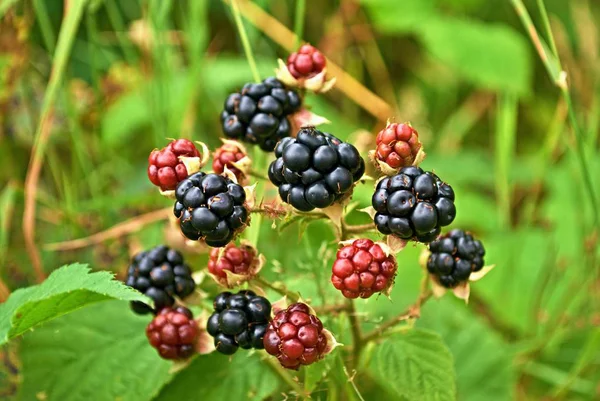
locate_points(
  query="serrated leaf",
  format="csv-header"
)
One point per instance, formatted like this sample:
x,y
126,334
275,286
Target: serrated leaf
x,y
218,377
100,353
416,365
69,288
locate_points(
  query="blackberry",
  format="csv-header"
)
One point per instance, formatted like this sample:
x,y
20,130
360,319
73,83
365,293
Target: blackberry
x,y
397,145
166,167
306,62
229,153
413,204
160,274
454,257
242,261
174,333
315,169
258,114
239,320
363,268
210,207
295,336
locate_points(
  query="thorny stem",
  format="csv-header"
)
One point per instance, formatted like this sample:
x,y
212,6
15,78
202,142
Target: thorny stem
x,y
281,372
244,38
282,289
357,338
412,312
359,228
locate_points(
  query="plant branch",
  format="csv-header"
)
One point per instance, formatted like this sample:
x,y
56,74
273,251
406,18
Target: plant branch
x,y
412,312
283,374
282,289
357,337
359,228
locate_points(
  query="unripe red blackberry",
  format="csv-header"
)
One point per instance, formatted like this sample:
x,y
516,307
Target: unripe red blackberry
x,y
296,337
362,268
170,165
173,332
397,145
242,261
306,62
230,155
454,257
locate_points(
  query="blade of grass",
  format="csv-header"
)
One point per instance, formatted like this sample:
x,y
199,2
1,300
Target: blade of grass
x,y
41,13
552,63
7,205
66,38
506,123
244,38
115,19
299,17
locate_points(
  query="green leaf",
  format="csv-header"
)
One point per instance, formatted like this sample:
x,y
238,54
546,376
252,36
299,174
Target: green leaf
x,y
100,353
415,365
216,377
492,56
392,16
69,288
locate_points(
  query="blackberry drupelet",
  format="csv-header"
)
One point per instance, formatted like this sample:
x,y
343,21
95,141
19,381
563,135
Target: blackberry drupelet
x,y
259,113
454,257
210,207
239,320
413,204
161,274
315,169
306,62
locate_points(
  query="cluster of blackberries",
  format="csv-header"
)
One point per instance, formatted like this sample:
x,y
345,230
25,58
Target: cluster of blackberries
x,y
413,204
454,257
259,113
239,320
210,207
161,275
315,169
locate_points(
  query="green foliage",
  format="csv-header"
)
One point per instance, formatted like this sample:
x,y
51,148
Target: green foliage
x,y
66,289
100,353
415,364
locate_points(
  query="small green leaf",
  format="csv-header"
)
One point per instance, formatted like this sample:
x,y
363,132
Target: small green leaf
x,y
69,288
492,56
217,377
392,16
415,365
100,353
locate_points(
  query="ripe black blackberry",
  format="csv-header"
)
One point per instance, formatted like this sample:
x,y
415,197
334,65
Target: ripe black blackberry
x,y
413,204
160,274
315,169
454,257
258,114
239,320
210,207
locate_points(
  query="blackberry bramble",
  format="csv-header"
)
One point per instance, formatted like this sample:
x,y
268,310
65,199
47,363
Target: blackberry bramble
x,y
259,113
161,275
454,257
210,207
239,320
413,204
315,169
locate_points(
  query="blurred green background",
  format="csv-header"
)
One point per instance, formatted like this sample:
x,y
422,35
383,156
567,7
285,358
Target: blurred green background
x,y
126,75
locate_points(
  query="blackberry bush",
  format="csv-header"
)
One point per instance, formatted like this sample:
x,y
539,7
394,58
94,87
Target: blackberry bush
x,y
295,336
315,169
210,208
173,332
259,114
454,257
239,321
413,204
161,274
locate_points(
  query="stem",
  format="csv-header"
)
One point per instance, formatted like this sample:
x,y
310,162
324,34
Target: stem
x,y
299,21
359,228
244,38
281,372
280,289
256,174
546,22
357,338
412,312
